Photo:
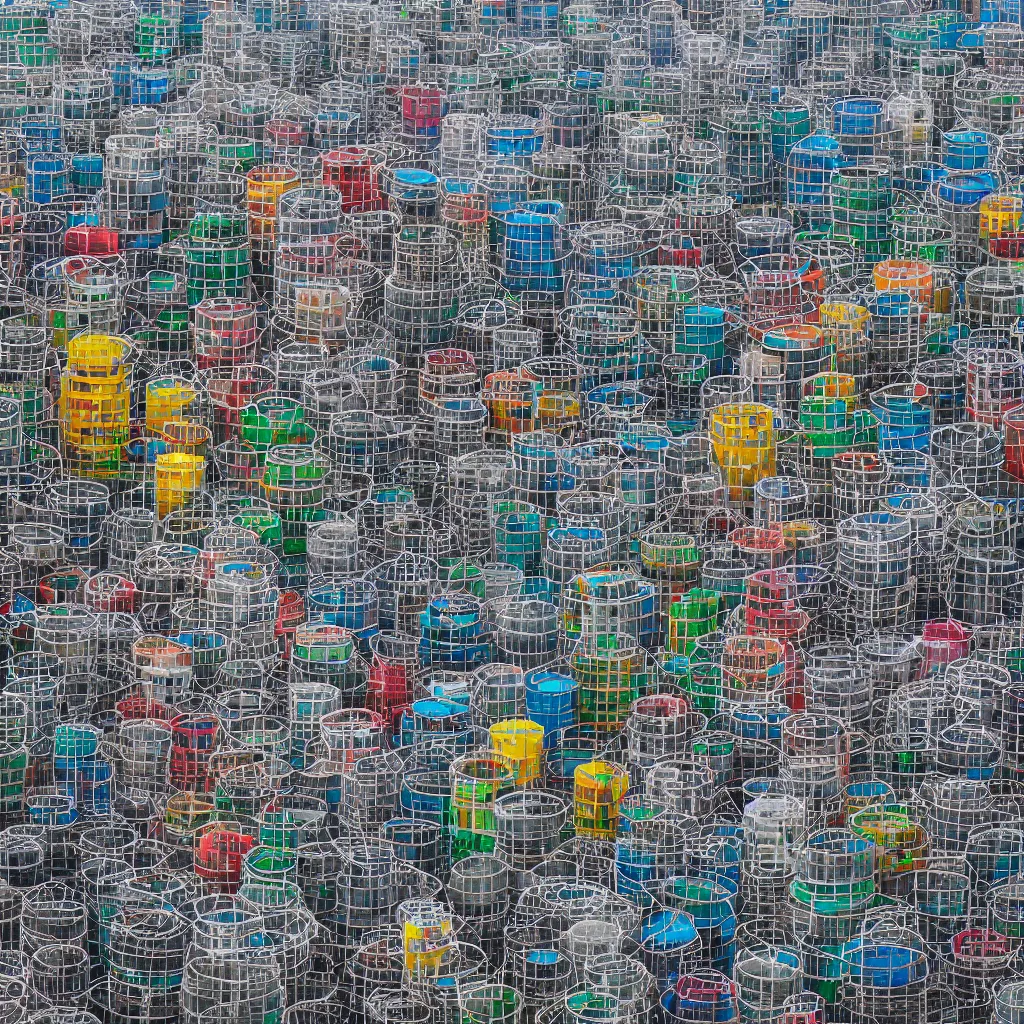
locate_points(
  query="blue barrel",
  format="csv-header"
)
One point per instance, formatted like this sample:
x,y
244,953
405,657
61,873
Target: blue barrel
x,y
506,190
970,36
533,248
966,150
885,966
618,397
149,86
263,17
718,852
711,904
121,79
959,199
809,169
65,773
426,795
948,34
540,464
52,810
94,785
515,143
700,330
584,80
494,17
759,785
433,718
519,539
351,604
42,135
415,193
789,124
919,177
904,424
857,115
966,190
765,723
661,40
636,867
607,258
870,791
552,701
75,743
538,19
87,172
46,177
539,587
669,945
454,633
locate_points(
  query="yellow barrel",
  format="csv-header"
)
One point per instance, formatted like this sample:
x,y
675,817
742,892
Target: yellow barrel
x,y
743,443
427,935
901,842
167,399
558,411
266,185
598,788
96,416
844,327
178,478
98,355
998,216
95,404
519,744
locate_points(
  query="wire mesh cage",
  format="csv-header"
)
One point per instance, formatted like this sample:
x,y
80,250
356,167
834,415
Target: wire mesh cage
x,y
511,512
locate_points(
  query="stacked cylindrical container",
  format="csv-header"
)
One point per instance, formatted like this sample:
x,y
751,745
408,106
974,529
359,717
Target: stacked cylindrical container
x,y
511,513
